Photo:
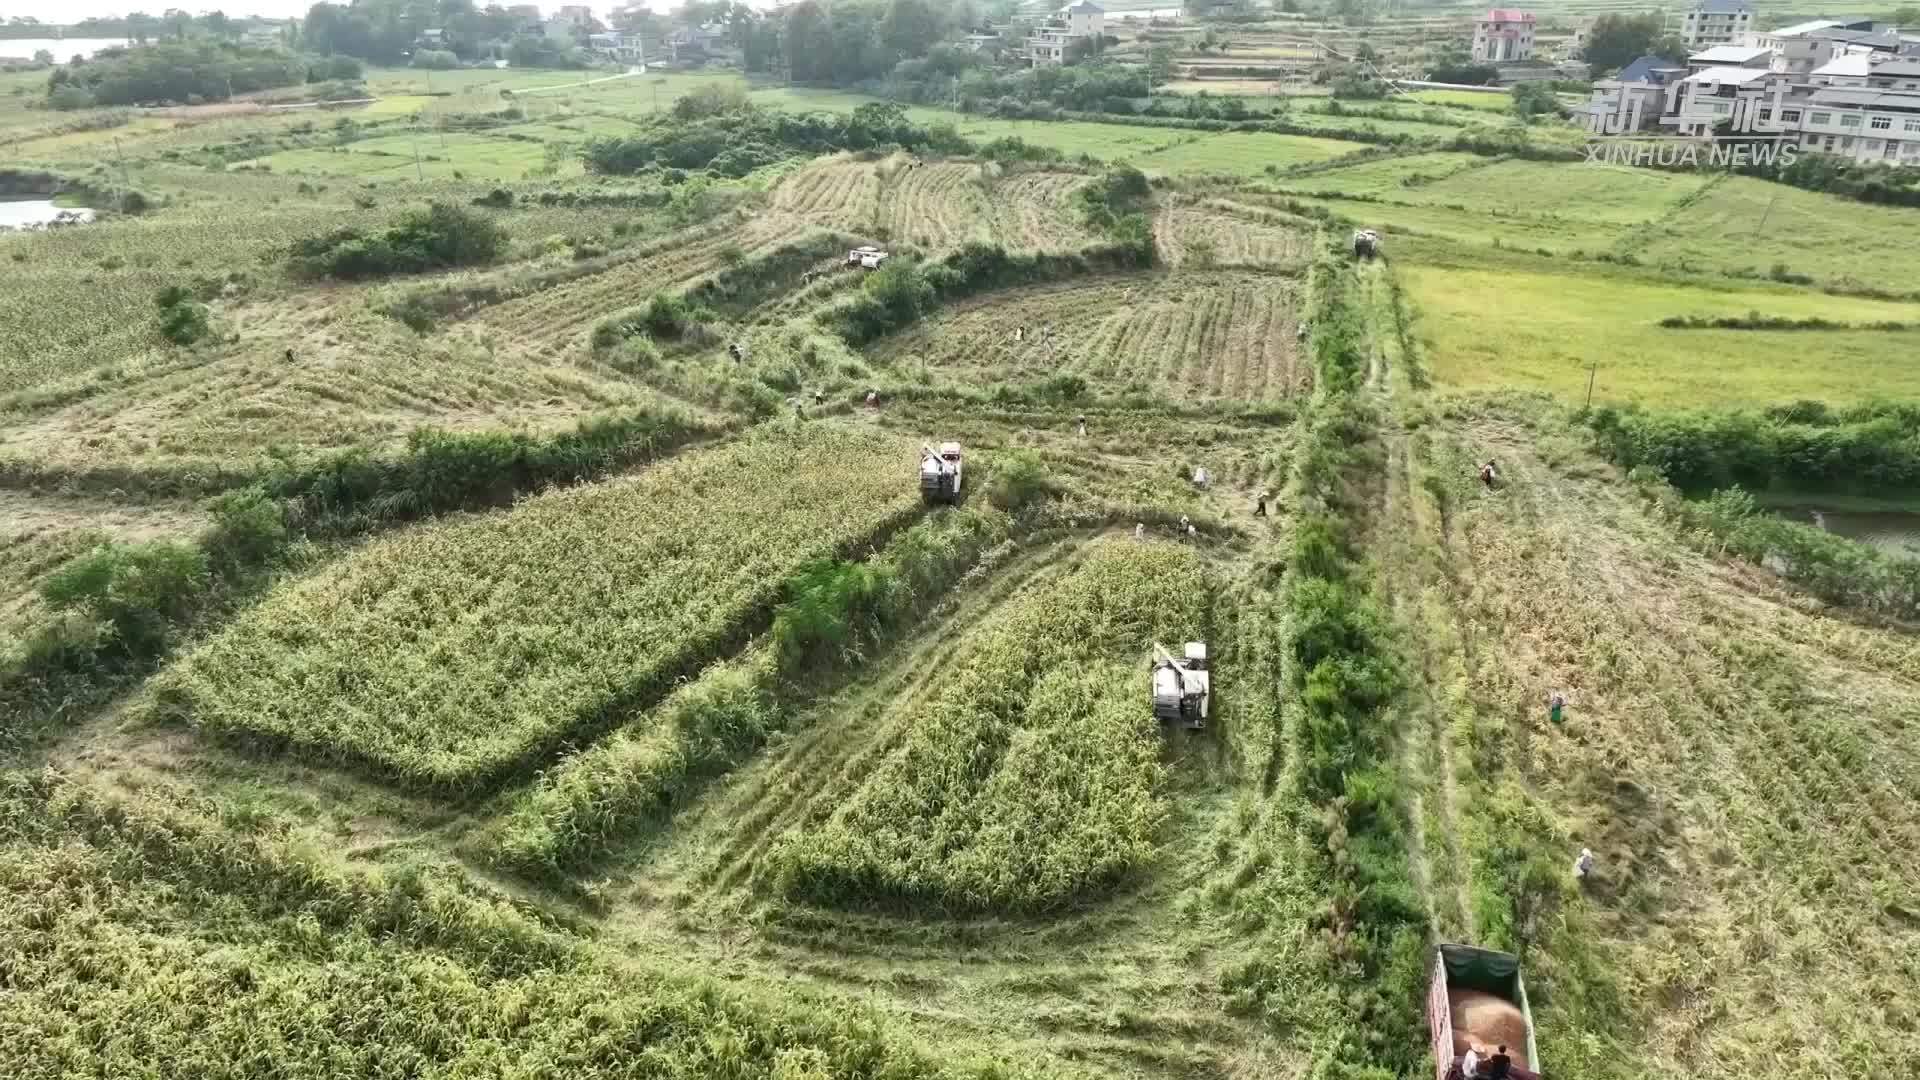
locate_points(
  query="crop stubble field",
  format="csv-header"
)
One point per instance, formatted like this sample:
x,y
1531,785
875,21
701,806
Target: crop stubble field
x,y
975,830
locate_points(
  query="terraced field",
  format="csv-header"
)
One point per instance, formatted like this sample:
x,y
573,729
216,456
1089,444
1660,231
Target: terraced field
x,y
1191,336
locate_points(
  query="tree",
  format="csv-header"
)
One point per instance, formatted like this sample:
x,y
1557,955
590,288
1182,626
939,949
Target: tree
x,y
1908,17
177,22
1531,99
217,24
910,27
1618,40
43,56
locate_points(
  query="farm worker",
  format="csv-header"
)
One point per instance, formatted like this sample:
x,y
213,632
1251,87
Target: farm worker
x,y
819,398
1082,421
1019,333
1300,332
738,351
1498,1065
1139,531
1470,1061
1488,474
873,399
1554,704
1260,505
1583,866
289,356
1199,476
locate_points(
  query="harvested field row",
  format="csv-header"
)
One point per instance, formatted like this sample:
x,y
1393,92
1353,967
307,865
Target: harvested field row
x,y
1189,336
937,206
1200,238
448,653
553,319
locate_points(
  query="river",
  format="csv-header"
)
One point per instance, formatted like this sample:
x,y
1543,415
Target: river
x,y
63,49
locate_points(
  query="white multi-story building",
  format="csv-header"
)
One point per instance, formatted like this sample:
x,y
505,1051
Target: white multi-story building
x,y
1716,22
1849,107
1503,35
1865,125
1049,44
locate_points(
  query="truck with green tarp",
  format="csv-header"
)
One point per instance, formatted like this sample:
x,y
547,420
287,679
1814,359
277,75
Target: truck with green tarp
x,y
1478,999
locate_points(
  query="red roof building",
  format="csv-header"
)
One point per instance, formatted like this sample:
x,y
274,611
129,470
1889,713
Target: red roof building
x,y
1503,35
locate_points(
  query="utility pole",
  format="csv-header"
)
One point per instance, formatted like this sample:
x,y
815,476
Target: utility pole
x,y
1764,213
1592,370
122,158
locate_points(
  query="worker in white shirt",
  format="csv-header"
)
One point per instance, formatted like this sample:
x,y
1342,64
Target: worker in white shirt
x,y
1470,1061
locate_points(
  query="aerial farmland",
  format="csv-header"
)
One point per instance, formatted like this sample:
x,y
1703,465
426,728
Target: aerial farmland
x,y
1087,544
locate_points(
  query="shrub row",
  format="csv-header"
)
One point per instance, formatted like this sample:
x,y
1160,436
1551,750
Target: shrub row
x,y
1753,320
833,612
900,292
1869,449
437,238
131,602
1343,680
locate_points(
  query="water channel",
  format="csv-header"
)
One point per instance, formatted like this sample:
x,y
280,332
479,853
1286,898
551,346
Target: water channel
x,y
1897,532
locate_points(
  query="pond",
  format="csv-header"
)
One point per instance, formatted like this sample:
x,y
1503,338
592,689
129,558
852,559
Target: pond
x,y
1897,532
33,213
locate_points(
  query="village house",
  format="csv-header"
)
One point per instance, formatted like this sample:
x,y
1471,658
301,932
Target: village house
x,y
1633,99
1743,99
1861,104
1900,74
1503,35
1744,56
1049,44
1716,22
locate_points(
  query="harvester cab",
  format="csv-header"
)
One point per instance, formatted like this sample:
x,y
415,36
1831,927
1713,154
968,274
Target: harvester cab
x,y
868,258
1183,688
940,473
1366,243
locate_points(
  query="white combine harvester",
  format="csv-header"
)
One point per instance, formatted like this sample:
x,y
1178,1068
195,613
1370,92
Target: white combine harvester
x,y
940,473
1366,243
1182,688
868,258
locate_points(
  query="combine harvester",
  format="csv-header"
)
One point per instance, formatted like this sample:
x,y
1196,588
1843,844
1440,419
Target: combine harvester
x,y
1182,689
867,258
1478,999
940,473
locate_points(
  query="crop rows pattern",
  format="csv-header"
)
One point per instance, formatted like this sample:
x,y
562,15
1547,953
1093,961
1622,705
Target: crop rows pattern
x,y
1201,238
446,653
937,206
1190,336
1030,773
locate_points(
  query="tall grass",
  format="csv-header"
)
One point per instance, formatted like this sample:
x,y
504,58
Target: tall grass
x,y
160,934
450,654
583,807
